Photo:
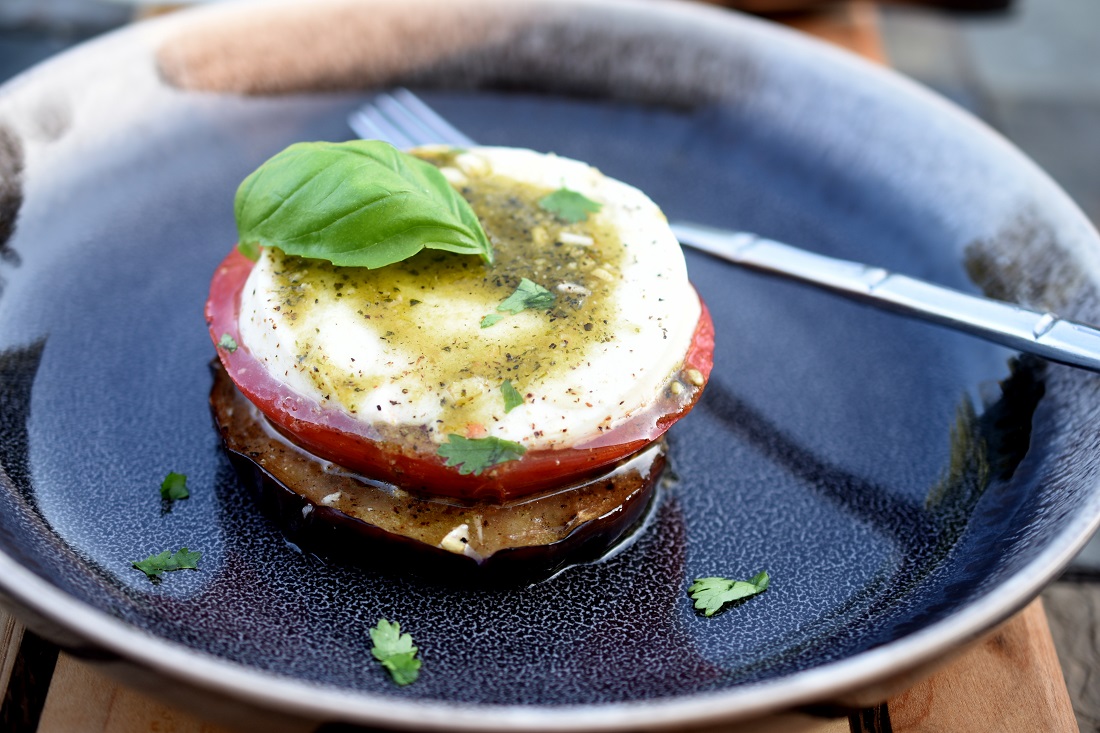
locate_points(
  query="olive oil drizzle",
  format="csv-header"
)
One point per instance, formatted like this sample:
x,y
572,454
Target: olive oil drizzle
x,y
420,309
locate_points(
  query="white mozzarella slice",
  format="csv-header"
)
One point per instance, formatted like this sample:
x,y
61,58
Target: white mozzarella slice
x,y
423,358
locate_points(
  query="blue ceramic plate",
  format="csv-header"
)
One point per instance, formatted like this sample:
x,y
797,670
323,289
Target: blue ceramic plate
x,y
905,487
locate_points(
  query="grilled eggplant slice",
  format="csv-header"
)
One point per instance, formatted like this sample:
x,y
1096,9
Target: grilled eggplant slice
x,y
335,514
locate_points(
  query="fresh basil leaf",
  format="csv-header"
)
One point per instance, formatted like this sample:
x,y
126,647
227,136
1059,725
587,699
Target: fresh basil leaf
x,y
569,205
167,561
251,250
474,455
527,295
490,319
174,487
512,397
361,203
395,651
711,594
228,343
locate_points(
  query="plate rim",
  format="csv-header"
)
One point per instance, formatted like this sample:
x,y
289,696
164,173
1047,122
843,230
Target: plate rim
x,y
294,695
331,704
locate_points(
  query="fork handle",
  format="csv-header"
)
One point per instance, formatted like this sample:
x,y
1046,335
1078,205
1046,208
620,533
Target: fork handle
x,y
1034,332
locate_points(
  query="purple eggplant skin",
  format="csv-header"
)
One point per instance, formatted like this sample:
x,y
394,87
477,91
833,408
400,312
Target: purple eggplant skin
x,y
349,519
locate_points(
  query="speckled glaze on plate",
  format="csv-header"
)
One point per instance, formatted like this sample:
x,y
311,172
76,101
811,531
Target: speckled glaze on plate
x,y
905,487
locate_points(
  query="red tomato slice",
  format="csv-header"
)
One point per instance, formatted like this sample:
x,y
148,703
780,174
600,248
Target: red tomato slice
x,y
333,435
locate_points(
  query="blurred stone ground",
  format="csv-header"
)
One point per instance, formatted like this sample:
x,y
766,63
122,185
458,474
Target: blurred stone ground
x,y
1032,72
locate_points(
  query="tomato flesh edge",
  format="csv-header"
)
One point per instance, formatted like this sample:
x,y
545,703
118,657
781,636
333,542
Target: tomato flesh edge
x,y
333,435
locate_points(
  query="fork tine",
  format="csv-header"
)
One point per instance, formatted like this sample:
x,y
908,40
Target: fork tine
x,y
361,125
404,121
369,122
446,132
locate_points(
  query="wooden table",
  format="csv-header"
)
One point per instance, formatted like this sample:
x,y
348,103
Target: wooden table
x,y
1010,681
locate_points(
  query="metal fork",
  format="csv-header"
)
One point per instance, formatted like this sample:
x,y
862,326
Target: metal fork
x,y
403,119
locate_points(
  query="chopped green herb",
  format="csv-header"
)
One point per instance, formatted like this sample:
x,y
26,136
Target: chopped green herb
x,y
490,319
166,562
361,203
474,455
395,651
527,295
512,397
711,594
569,205
228,343
174,487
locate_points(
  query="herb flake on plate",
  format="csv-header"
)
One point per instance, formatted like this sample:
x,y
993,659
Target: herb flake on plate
x,y
395,652
156,565
712,594
174,487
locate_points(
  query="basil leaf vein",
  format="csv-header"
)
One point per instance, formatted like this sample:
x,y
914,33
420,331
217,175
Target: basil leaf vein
x,y
360,203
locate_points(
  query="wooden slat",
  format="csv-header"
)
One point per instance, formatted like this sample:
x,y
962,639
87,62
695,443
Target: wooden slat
x,y
1011,681
11,634
27,663
83,699
1008,682
852,25
1073,609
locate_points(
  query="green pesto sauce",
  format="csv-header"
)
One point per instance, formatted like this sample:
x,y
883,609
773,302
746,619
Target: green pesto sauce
x,y
410,306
